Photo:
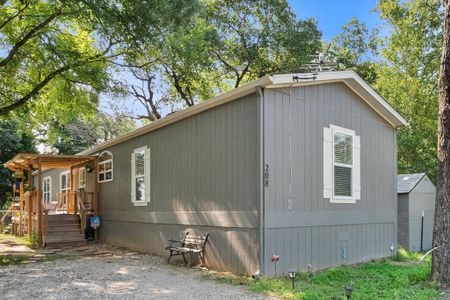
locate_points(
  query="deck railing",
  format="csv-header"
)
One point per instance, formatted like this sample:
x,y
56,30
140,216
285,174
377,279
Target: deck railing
x,y
62,201
26,221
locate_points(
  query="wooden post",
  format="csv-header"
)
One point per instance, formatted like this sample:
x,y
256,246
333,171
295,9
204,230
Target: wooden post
x,y
95,186
71,206
39,202
21,219
30,202
95,193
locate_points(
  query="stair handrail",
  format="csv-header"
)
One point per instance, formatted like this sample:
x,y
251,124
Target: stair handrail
x,y
8,212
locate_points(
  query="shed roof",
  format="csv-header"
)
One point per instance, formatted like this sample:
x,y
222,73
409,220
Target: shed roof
x,y
406,182
350,78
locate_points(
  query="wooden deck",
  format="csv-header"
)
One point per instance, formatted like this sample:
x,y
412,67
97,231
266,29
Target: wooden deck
x,y
63,222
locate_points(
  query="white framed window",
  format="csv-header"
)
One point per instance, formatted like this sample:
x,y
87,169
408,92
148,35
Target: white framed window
x,y
140,176
47,190
105,166
82,178
341,158
64,182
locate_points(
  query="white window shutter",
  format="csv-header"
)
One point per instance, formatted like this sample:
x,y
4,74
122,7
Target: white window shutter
x,y
327,163
133,179
357,167
147,174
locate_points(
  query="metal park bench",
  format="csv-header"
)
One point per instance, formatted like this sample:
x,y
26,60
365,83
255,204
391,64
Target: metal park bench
x,y
191,245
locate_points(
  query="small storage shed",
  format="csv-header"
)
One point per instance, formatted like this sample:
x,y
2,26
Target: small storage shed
x,y
416,198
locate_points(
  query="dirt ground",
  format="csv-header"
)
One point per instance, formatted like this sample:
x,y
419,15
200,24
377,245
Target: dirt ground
x,y
104,272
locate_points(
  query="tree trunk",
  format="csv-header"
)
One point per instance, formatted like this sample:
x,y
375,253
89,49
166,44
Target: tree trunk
x,y
441,232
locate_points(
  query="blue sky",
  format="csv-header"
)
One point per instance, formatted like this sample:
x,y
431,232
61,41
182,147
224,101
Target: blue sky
x,y
332,14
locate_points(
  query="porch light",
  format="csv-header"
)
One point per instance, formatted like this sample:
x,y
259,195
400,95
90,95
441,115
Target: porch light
x,y
89,169
292,273
348,292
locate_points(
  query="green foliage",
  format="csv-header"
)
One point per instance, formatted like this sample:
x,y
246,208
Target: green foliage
x,y
226,44
57,56
15,138
384,279
33,241
80,134
354,48
408,78
256,38
12,259
403,255
403,67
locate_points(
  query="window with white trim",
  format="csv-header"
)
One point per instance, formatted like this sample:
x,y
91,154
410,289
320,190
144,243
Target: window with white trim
x,y
47,190
64,181
140,176
341,165
82,178
105,166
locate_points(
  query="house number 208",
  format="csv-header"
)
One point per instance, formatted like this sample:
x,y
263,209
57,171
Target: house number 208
x,y
266,175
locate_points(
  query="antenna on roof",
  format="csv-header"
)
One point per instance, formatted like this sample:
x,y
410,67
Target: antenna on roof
x,y
322,62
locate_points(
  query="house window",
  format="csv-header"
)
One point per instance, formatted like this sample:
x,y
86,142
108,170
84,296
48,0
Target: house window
x,y
140,176
341,165
65,182
47,190
105,167
82,178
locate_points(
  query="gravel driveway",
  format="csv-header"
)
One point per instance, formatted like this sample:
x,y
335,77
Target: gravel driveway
x,y
114,277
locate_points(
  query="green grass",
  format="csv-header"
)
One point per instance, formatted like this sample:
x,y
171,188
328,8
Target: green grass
x,y
25,240
6,260
398,278
15,258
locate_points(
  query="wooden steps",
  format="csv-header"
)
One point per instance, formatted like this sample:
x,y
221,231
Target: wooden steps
x,y
64,230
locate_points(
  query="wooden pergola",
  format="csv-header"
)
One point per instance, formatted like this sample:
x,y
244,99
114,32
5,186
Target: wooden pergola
x,y
34,165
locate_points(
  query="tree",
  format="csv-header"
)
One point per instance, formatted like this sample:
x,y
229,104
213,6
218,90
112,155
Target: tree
x,y
407,77
260,37
441,232
53,47
14,140
81,134
354,49
227,44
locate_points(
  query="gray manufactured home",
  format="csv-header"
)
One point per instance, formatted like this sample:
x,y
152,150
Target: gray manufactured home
x,y
416,201
300,166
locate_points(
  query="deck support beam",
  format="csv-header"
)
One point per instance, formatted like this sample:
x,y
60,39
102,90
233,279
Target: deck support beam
x,y
21,217
71,204
39,203
30,202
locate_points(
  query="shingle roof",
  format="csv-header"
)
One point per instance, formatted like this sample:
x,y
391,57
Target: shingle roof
x,y
406,182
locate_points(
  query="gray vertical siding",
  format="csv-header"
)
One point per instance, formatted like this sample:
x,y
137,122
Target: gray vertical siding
x,y
204,179
403,221
314,231
56,184
421,198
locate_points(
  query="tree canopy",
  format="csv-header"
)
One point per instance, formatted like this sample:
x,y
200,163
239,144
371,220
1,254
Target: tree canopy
x,y
59,51
227,44
408,77
15,138
59,58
